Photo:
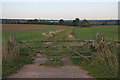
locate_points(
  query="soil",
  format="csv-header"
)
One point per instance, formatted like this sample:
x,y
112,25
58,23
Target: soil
x,y
36,71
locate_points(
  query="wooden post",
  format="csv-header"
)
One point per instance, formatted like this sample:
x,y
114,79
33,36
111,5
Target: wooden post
x,y
102,38
98,39
12,38
18,46
94,41
12,43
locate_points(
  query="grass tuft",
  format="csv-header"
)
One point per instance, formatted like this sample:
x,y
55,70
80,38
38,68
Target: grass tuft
x,y
53,63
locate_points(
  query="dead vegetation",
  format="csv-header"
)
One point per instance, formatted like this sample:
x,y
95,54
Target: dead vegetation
x,y
52,33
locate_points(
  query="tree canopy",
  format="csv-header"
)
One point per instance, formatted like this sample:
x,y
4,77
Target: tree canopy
x,y
85,23
61,22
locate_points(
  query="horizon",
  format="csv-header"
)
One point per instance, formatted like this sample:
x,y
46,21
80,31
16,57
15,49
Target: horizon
x,y
52,19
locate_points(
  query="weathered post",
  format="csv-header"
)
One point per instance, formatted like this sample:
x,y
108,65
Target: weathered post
x,y
18,46
98,39
102,38
11,44
94,41
12,38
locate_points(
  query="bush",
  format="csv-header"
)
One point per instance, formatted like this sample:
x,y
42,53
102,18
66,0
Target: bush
x,y
11,61
85,23
103,62
106,59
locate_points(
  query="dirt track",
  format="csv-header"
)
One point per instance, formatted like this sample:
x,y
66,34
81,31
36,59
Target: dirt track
x,y
36,71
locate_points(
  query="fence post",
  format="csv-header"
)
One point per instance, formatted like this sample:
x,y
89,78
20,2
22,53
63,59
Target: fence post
x,y
102,38
18,46
12,43
12,38
94,38
98,39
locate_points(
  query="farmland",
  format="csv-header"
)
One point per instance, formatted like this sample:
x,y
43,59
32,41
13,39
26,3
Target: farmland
x,y
109,32
28,32
35,32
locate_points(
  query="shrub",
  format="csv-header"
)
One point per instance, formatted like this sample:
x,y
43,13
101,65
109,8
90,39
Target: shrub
x,y
85,23
106,60
11,61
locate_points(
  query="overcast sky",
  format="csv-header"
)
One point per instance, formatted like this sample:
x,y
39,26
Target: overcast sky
x,y
89,9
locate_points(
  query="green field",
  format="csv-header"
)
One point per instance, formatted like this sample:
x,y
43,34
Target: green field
x,y
110,33
35,32
29,32
24,32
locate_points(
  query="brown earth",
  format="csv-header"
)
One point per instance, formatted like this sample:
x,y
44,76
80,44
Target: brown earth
x,y
36,71
24,26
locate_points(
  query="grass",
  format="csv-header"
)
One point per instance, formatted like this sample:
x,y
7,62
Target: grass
x,y
28,32
34,32
53,63
13,64
25,32
110,33
103,64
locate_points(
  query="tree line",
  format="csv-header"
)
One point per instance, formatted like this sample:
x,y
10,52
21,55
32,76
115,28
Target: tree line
x,y
77,22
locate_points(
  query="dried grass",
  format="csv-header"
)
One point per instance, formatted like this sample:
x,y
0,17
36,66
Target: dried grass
x,y
107,59
9,51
